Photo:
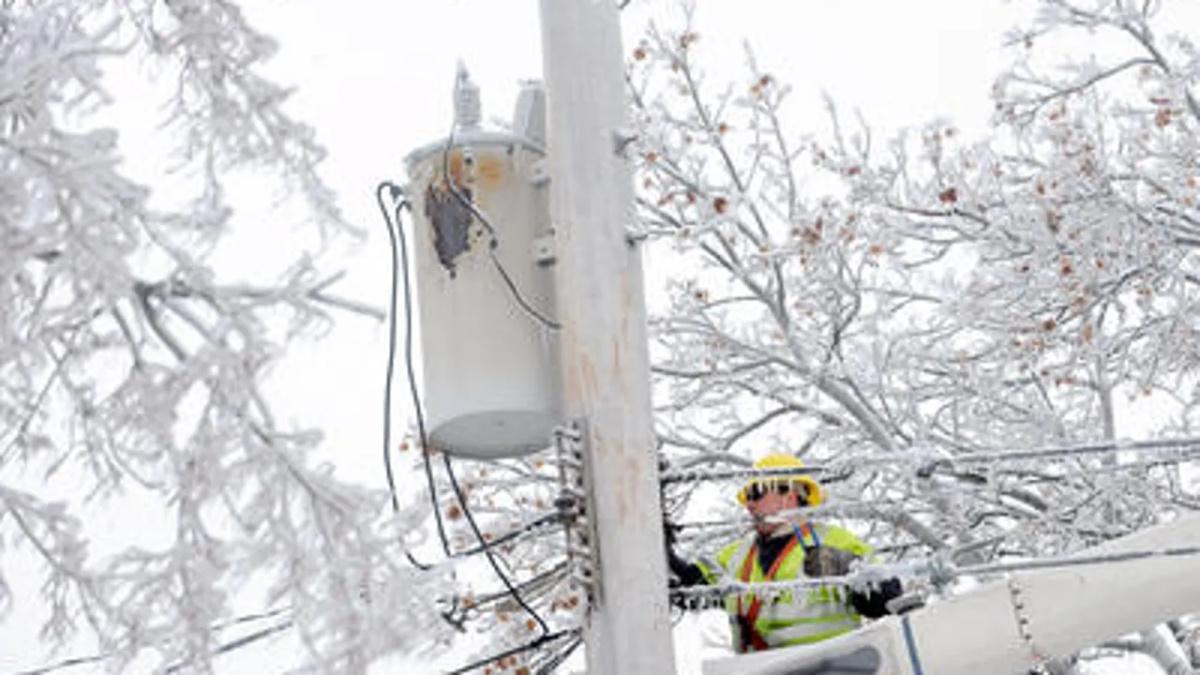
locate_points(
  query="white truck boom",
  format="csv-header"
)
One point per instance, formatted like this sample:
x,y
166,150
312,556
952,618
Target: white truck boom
x,y
1011,625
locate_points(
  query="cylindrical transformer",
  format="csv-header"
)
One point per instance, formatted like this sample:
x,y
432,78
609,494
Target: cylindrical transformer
x,y
485,290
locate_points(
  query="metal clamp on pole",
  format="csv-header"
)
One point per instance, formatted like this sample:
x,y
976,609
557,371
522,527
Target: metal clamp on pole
x,y
572,506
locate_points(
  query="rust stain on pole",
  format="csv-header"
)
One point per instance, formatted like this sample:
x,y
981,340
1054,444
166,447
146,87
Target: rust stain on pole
x,y
587,386
633,473
604,345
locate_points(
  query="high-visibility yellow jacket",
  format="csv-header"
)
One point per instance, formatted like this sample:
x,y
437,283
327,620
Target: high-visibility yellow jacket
x,y
796,617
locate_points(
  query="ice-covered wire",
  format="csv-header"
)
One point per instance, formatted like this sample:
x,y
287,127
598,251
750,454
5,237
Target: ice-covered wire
x,y
1184,446
223,648
535,585
934,568
1115,557
555,660
692,475
1184,449
534,644
487,548
520,531
400,254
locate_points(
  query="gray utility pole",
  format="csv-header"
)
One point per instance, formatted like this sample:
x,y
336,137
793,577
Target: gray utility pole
x,y
601,306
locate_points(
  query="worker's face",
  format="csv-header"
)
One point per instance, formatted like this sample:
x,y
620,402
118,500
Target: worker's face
x,y
769,499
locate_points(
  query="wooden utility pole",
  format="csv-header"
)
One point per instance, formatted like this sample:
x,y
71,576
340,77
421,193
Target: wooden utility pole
x,y
605,354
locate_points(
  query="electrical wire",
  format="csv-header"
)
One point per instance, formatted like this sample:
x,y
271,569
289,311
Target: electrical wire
x,y
548,637
223,648
494,241
1184,450
516,294
526,528
400,252
536,584
487,548
398,194
556,660
934,569
391,361
1177,451
400,263
693,475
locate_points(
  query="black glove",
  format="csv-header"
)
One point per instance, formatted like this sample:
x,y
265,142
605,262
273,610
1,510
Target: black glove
x,y
873,603
685,573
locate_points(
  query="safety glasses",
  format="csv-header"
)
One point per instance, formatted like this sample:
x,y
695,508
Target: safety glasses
x,y
757,491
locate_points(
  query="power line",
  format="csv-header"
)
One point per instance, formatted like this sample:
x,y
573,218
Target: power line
x,y
935,569
1166,445
534,644
400,254
218,650
1183,449
555,660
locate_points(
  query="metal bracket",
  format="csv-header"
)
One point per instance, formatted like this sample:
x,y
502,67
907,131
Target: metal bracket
x,y
635,236
622,139
539,173
543,251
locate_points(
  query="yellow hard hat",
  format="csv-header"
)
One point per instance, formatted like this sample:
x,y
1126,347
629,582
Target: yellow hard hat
x,y
782,461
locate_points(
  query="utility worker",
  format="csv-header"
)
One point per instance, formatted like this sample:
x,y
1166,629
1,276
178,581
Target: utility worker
x,y
784,547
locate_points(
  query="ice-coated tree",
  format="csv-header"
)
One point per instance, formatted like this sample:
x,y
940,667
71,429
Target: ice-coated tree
x,y
131,366
899,313
907,313
902,312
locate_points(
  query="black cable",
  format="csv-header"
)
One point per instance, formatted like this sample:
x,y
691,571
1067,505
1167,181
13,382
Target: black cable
x,y
220,649
391,361
495,241
532,585
487,549
400,252
556,660
516,294
462,200
534,644
397,193
529,526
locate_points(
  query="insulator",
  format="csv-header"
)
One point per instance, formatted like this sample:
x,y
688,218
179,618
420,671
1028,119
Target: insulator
x,y
467,105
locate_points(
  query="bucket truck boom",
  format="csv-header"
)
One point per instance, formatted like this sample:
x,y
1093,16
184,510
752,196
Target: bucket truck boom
x,y
1011,625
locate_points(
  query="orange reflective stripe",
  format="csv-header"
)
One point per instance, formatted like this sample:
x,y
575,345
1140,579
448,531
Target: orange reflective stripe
x,y
807,533
747,633
755,639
